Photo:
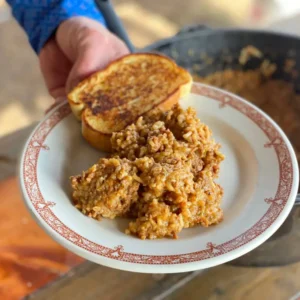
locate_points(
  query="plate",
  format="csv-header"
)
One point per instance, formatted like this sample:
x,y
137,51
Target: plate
x,y
259,177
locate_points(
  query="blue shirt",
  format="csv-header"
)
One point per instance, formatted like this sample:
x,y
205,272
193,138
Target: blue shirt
x,y
40,18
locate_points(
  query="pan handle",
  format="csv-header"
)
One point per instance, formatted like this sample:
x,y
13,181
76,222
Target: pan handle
x,y
113,22
192,29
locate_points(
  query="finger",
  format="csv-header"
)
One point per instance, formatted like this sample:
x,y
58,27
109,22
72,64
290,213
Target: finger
x,y
55,68
91,48
95,53
73,31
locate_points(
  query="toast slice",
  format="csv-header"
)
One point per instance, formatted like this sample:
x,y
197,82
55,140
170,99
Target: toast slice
x,y
129,87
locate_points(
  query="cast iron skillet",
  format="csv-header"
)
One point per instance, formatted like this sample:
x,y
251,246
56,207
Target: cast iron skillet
x,y
187,48
192,45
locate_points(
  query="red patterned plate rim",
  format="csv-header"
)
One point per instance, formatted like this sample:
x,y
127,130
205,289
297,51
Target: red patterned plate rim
x,y
42,210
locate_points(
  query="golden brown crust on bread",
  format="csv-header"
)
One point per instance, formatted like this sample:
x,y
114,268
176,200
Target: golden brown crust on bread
x,y
98,140
115,97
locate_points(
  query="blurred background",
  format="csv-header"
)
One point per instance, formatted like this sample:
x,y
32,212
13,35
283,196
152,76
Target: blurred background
x,y
23,97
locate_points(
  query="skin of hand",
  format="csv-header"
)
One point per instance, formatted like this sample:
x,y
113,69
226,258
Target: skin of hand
x,y
80,47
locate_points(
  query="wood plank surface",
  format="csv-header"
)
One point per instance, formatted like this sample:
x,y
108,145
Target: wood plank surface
x,y
90,281
236,283
29,259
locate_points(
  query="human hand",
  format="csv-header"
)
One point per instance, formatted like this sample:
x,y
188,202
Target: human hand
x,y
80,47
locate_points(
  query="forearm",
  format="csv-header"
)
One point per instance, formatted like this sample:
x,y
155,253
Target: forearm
x,y
40,19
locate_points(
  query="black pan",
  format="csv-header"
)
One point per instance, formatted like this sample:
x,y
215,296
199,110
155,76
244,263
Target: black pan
x,y
188,46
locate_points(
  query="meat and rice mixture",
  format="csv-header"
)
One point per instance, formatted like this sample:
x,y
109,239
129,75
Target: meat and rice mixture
x,y
161,175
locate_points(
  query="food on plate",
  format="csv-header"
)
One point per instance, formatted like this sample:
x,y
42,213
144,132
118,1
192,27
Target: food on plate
x,y
161,174
115,97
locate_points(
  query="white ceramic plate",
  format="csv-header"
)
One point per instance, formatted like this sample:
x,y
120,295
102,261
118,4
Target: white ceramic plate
x,y
259,177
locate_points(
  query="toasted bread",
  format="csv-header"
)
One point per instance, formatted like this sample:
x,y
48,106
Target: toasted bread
x,y
129,87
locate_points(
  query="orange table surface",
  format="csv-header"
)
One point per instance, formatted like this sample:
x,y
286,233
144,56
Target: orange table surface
x,y
29,258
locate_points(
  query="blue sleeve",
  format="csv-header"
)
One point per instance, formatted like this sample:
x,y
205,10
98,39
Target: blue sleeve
x,y
40,18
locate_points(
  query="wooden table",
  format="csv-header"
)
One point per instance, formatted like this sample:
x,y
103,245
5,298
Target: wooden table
x,y
33,264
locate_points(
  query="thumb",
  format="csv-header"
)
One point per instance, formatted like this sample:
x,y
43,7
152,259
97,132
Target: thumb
x,y
91,48
95,52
